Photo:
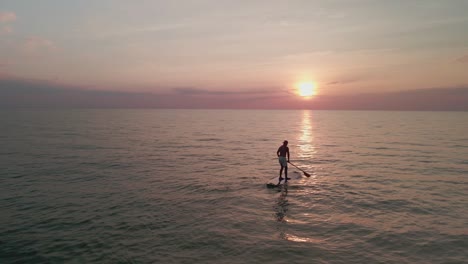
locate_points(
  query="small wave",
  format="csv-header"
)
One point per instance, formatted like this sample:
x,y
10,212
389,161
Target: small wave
x,y
209,139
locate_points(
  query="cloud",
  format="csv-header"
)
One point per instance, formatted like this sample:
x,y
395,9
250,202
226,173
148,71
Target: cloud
x,y
344,81
433,99
350,78
197,91
6,30
16,93
38,44
463,59
20,93
7,17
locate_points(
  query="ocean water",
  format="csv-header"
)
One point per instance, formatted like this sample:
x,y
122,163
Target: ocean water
x,y
188,186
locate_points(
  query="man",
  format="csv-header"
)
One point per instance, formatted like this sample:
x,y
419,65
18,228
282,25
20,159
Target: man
x,y
283,152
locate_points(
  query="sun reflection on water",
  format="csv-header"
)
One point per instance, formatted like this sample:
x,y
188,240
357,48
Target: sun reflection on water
x,y
305,140
299,239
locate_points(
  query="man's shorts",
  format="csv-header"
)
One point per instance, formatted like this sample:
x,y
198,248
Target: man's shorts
x,y
283,161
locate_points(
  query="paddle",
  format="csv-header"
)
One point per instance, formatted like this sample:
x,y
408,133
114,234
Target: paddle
x,y
305,173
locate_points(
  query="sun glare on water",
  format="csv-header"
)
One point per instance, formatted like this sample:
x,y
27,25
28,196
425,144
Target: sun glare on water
x,y
306,89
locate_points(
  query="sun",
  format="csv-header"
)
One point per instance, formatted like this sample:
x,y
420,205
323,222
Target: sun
x,y
306,89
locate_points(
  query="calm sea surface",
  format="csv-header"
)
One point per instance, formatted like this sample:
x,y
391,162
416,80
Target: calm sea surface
x,y
188,186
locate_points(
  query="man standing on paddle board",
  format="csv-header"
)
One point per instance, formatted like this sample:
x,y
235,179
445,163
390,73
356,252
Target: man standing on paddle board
x,y
283,152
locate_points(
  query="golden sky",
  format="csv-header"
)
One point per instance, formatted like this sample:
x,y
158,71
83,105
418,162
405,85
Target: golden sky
x,y
342,47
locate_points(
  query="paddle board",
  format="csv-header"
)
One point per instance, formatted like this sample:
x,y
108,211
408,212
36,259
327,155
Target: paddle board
x,y
275,183
294,176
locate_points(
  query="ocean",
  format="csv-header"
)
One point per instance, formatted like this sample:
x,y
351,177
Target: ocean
x,y
188,186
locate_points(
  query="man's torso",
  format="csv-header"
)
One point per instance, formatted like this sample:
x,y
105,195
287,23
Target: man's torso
x,y
283,150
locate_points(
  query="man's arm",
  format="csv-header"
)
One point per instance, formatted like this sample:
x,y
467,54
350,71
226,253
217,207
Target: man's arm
x,y
278,152
288,154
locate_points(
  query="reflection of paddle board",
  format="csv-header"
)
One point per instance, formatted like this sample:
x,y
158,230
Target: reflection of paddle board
x,y
294,176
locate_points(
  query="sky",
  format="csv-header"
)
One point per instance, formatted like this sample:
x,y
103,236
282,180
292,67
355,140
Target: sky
x,y
357,54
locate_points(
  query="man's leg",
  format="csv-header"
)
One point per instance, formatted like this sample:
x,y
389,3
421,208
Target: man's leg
x,y
280,174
